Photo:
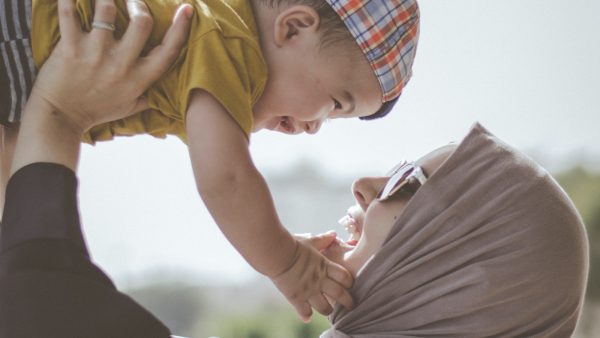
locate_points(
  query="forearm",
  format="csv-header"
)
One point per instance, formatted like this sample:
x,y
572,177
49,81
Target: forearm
x,y
241,204
94,71
232,188
46,136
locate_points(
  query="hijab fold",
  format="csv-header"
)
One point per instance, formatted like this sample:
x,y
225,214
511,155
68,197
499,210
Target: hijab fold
x,y
489,246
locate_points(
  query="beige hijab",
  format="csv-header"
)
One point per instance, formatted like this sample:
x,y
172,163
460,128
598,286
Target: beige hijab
x,y
489,246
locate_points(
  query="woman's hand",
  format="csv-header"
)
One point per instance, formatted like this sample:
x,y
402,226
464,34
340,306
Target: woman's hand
x,y
92,78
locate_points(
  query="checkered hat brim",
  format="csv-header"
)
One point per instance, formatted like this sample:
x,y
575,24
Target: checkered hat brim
x,y
387,32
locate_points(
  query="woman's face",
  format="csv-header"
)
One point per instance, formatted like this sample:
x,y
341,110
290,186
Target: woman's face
x,y
371,219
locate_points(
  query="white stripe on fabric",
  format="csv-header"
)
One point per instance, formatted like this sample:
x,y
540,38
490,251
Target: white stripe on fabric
x,y
13,92
22,82
28,13
30,72
3,22
29,52
17,20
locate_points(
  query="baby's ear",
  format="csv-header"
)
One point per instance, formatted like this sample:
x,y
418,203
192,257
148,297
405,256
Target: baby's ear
x,y
295,21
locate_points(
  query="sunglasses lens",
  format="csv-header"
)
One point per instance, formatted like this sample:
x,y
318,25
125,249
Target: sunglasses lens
x,y
396,168
396,182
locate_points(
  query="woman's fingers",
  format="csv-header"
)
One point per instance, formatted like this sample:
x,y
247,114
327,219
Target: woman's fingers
x,y
140,105
103,25
138,31
70,29
161,57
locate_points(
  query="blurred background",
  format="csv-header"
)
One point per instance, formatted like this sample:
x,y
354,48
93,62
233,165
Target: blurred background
x,y
528,70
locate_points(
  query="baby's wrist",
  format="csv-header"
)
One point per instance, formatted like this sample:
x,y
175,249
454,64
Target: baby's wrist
x,y
286,259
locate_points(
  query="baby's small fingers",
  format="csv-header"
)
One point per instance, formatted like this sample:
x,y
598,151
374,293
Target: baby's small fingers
x,y
320,304
322,241
339,274
332,289
337,293
304,310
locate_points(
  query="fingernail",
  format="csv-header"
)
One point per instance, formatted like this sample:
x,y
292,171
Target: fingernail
x,y
189,12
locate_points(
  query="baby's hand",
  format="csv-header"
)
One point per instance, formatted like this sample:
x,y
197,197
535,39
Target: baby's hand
x,y
336,251
311,276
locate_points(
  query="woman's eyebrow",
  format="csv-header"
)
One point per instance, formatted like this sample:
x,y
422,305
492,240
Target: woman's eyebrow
x,y
350,99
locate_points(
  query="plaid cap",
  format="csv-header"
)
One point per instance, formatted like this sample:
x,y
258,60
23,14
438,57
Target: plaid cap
x,y
387,32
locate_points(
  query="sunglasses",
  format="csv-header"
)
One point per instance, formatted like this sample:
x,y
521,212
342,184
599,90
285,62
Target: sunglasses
x,y
406,176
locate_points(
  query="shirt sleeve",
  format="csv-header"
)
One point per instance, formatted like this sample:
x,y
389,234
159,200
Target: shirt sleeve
x,y
220,67
49,287
41,202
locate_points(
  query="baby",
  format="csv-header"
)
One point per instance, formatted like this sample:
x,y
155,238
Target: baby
x,y
283,65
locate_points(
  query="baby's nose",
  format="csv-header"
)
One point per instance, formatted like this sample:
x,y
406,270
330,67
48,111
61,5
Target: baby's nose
x,y
312,127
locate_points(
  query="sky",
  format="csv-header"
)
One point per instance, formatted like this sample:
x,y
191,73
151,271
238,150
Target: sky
x,y
528,70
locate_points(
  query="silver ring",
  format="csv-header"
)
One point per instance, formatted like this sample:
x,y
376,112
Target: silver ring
x,y
104,25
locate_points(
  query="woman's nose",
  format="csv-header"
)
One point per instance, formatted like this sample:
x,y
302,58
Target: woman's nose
x,y
312,127
365,190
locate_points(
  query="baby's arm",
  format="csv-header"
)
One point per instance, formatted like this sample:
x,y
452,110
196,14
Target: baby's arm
x,y
239,200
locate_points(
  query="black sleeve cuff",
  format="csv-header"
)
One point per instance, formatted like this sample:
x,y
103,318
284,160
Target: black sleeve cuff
x,y
41,202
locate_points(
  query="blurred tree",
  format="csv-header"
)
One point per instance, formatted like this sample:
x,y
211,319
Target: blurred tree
x,y
178,306
309,330
256,334
584,189
593,227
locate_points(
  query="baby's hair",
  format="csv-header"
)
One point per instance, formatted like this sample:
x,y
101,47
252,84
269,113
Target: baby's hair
x,y
333,30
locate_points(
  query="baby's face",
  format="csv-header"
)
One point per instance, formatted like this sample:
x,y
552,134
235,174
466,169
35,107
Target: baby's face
x,y
307,86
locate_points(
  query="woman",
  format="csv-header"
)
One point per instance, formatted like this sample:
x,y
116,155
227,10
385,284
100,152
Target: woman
x,y
488,246
49,287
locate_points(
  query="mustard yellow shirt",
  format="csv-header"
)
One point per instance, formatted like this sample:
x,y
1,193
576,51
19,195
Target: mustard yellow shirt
x,y
221,56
